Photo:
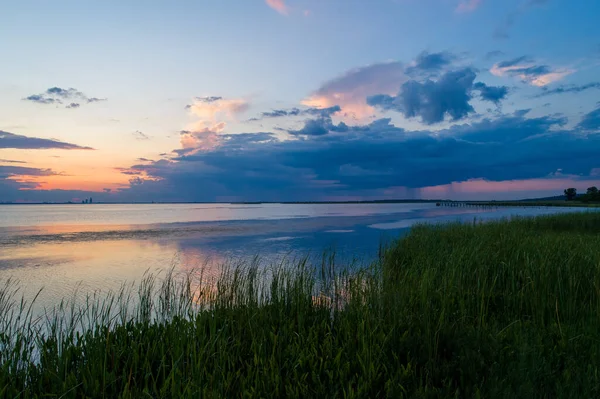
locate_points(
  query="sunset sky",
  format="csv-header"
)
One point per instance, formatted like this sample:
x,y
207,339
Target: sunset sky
x,y
293,100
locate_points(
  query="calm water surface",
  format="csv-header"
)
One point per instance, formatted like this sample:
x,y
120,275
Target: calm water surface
x,y
98,247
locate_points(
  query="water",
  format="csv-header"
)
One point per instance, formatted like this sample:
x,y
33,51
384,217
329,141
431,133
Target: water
x,y
98,247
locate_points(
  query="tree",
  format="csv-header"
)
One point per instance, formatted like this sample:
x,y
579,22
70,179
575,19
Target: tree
x,y
571,193
592,194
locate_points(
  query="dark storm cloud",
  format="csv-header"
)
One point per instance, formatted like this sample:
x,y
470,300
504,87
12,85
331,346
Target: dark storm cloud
x,y
10,140
57,95
323,112
370,158
433,100
319,127
568,89
591,121
491,93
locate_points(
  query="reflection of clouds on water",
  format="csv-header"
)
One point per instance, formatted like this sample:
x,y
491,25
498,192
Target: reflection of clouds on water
x,y
285,238
101,257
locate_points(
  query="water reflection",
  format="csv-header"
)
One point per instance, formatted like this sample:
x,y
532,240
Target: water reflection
x,y
103,258
61,269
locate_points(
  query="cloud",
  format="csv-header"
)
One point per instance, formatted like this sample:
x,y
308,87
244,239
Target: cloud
x,y
11,140
201,139
319,127
529,72
278,5
107,190
491,93
140,135
590,121
350,90
209,108
506,190
136,181
14,179
568,89
212,115
10,161
502,31
493,54
468,6
373,160
384,81
433,100
431,62
40,99
17,171
57,95
278,113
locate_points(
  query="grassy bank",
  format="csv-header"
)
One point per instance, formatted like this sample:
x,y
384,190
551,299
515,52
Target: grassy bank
x,y
501,309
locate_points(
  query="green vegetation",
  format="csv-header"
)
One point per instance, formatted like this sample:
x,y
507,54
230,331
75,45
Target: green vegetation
x,y
592,195
546,203
507,309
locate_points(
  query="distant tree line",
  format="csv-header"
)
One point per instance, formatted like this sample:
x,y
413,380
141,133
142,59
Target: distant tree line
x,y
591,194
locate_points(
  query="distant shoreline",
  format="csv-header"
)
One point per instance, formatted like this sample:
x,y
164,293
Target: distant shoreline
x,y
523,202
233,203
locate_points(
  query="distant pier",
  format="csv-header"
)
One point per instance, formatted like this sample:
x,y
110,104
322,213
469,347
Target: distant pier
x,y
463,204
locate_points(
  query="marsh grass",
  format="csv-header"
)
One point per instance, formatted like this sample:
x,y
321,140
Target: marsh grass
x,y
498,309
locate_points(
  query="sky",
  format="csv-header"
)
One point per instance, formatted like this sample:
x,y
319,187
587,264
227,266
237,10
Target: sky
x,y
298,100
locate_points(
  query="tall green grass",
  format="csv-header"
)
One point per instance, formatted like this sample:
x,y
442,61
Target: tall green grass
x,y
500,309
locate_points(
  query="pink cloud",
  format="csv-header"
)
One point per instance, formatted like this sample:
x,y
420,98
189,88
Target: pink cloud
x,y
278,5
202,139
468,5
350,90
212,115
213,109
508,189
520,70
